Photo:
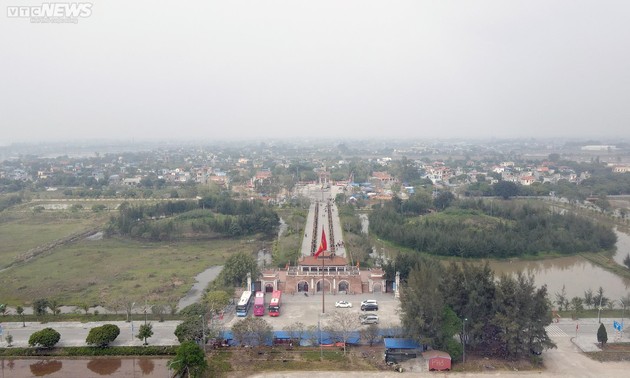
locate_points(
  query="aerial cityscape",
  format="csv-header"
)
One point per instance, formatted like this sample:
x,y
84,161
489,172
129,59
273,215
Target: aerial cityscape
x,y
321,234
295,188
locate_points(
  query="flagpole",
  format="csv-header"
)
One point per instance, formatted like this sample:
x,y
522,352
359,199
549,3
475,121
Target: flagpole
x,y
323,285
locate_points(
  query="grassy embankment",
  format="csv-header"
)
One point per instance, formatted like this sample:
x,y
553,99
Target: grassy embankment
x,y
603,259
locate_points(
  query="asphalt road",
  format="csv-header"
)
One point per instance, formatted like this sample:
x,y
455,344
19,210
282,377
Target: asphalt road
x,y
567,360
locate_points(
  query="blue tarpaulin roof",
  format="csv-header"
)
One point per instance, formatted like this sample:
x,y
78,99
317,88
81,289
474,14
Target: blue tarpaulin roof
x,y
353,338
401,343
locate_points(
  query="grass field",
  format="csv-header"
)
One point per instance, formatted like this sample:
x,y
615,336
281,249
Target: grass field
x,y
114,269
20,232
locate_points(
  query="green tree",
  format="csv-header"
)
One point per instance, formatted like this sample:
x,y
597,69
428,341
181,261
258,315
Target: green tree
x,y
602,334
505,189
54,307
588,298
561,299
45,338
522,312
195,310
159,310
443,200
191,329
20,311
145,331
216,300
9,339
190,360
422,304
237,266
451,326
576,305
40,306
599,299
85,307
102,336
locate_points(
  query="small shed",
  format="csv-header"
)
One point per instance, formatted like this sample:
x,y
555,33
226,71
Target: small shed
x,y
399,350
437,360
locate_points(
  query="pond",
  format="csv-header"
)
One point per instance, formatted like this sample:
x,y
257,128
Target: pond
x,y
83,368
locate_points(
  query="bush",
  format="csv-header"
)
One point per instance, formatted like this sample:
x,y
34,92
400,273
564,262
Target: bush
x,y
91,351
46,338
102,336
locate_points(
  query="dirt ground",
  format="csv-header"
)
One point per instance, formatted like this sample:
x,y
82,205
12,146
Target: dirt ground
x,y
612,352
565,361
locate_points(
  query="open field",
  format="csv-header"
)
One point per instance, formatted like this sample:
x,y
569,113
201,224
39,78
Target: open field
x,y
111,269
20,232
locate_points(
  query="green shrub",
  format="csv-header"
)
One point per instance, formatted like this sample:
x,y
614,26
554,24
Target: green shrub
x,y
46,338
91,351
102,336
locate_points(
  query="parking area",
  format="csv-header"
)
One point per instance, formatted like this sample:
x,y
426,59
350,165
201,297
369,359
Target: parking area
x,y
307,310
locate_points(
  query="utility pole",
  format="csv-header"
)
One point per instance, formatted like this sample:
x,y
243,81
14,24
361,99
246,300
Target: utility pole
x,y
464,340
203,331
599,309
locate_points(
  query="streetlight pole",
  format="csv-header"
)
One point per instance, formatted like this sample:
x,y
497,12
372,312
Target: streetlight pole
x,y
623,311
131,317
599,309
203,331
145,320
464,340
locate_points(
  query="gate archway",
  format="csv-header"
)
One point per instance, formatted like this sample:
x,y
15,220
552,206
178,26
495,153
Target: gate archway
x,y
269,288
302,286
377,288
343,287
326,286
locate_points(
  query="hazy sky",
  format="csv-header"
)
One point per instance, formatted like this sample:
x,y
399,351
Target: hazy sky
x,y
203,70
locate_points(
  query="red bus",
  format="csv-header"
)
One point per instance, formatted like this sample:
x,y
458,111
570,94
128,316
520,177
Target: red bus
x,y
259,304
274,305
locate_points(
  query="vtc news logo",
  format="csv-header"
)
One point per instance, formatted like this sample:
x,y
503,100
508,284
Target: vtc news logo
x,y
51,12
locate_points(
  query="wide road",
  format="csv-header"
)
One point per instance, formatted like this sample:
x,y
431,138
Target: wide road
x,y
321,197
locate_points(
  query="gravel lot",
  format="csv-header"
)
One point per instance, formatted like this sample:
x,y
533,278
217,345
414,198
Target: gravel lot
x,y
299,308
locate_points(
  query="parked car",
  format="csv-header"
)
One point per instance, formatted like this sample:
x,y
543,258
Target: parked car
x,y
369,319
369,305
343,304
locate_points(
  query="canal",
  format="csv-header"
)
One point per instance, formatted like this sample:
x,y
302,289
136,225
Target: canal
x,y
85,368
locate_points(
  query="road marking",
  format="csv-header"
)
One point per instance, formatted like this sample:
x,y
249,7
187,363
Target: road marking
x,y
554,330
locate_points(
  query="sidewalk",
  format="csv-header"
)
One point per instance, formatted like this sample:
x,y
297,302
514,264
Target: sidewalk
x,y
587,341
75,333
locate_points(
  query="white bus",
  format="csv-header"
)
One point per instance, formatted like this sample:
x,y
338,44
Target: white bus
x,y
242,308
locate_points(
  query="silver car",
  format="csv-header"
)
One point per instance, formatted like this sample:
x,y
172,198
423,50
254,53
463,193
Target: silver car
x,y
369,319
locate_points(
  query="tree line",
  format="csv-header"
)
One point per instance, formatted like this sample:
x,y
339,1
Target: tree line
x,y
215,213
504,317
475,228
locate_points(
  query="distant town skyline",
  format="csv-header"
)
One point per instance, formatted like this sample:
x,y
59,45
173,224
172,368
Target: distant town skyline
x,y
326,69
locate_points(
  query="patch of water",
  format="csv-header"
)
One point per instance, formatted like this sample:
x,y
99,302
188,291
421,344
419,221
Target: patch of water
x,y
110,367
